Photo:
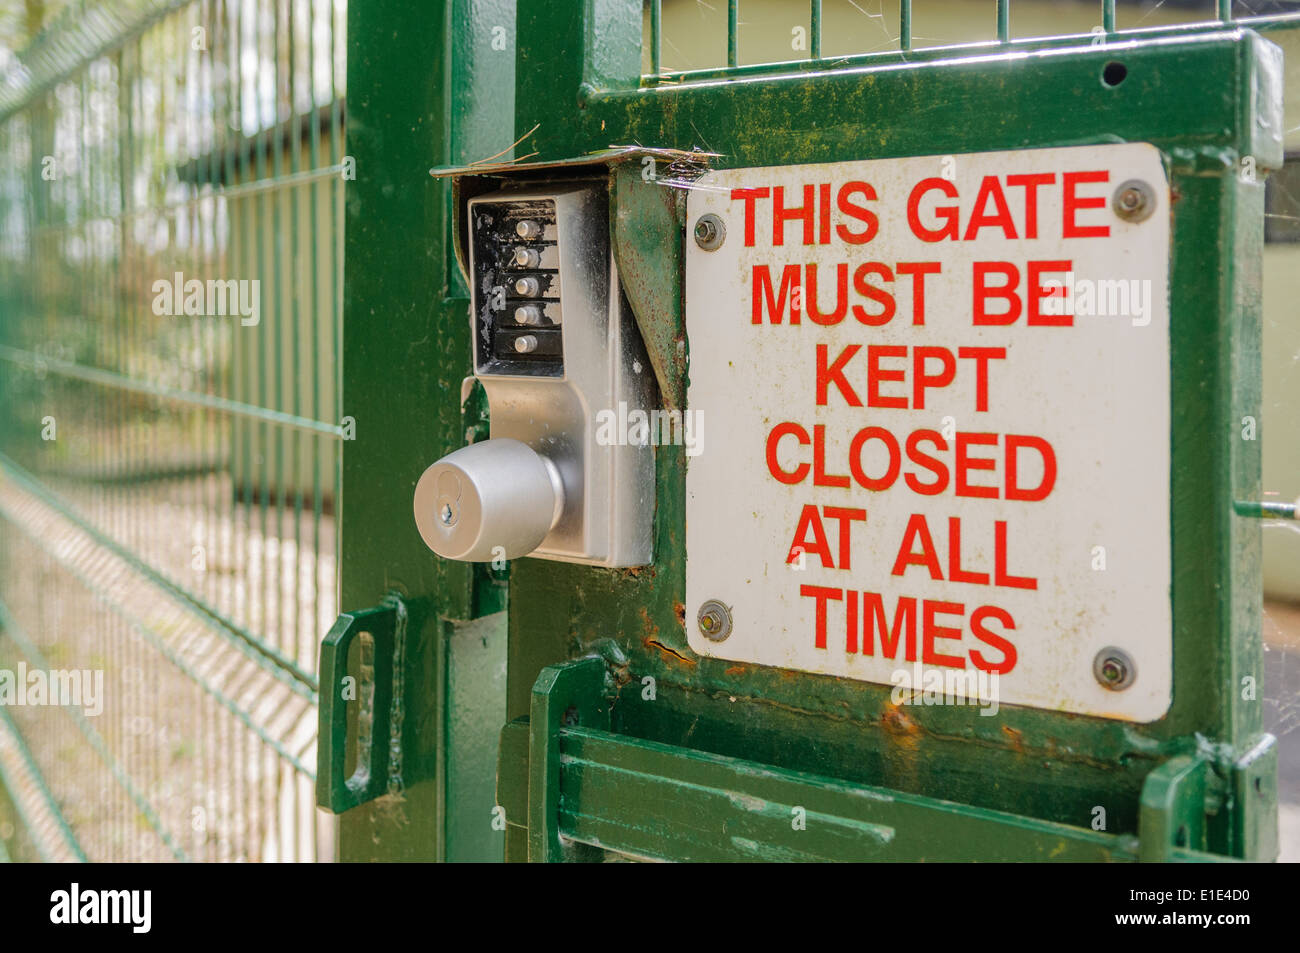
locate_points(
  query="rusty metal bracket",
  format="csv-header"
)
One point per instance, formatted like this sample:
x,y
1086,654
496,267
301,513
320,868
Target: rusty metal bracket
x,y
646,225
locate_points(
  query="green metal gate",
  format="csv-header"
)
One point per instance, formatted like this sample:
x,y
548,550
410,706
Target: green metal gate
x,y
711,763
171,189
172,455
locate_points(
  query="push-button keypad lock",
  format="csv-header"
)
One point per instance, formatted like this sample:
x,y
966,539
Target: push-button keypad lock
x,y
517,299
554,345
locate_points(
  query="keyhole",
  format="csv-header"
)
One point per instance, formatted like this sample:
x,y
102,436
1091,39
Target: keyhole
x,y
448,498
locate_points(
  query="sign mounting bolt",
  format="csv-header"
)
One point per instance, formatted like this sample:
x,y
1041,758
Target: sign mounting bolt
x,y
1114,669
1134,201
710,232
714,620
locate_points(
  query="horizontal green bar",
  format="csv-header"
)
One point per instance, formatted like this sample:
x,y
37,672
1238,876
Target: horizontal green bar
x,y
120,381
9,627
38,778
662,802
1279,511
269,184
267,657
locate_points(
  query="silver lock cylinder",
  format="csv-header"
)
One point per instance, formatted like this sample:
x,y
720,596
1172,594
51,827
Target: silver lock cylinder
x,y
491,500
559,356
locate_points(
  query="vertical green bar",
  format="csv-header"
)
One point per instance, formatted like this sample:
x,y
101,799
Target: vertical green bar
x,y
904,25
1108,15
335,205
656,36
733,30
263,129
205,237
279,129
264,433
316,327
115,647
1225,11
396,81
226,486
815,27
279,372
296,357
1004,20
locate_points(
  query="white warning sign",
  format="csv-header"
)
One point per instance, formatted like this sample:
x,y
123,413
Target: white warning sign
x,y
937,398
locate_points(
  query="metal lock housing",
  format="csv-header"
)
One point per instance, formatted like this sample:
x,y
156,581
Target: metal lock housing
x,y
555,344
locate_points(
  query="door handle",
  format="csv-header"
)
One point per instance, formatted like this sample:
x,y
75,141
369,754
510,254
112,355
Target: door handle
x,y
372,690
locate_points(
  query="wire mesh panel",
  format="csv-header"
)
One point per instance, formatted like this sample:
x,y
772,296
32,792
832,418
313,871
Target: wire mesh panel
x,y
171,182
685,39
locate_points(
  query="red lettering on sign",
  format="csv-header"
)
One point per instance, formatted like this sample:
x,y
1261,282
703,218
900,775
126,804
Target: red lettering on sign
x,y
955,572
810,522
927,462
965,463
918,270
1006,291
780,215
868,290
873,610
855,458
931,630
868,610
876,374
749,197
788,477
824,214
820,477
1001,216
845,516
850,621
1030,183
981,356
921,381
993,640
1037,293
762,292
1000,575
828,374
815,314
915,450
1073,202
822,594
947,214
1040,492
859,212
919,530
